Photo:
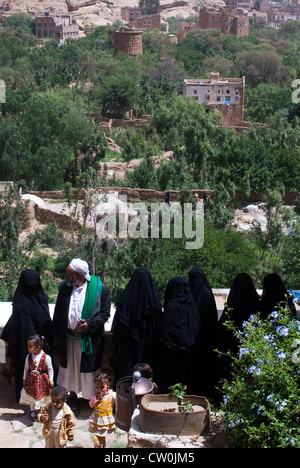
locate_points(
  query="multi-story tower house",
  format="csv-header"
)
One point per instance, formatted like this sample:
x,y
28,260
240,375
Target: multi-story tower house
x,y
222,94
58,27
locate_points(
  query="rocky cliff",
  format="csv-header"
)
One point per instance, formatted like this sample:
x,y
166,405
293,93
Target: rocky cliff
x,y
93,12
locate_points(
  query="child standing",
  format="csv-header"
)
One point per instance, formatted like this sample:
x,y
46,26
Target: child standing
x,y
102,421
58,420
37,376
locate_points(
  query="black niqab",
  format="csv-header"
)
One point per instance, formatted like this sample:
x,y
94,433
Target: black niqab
x,y
137,304
242,302
243,299
180,324
274,295
204,299
207,340
30,316
135,324
178,333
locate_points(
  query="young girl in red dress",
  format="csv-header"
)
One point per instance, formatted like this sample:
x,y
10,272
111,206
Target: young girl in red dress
x,y
37,376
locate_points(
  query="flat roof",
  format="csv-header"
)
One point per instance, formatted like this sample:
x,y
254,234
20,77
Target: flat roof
x,y
213,81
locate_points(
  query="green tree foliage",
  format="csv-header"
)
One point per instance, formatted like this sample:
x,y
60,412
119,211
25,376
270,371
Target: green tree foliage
x,y
13,219
265,100
192,52
261,66
118,94
223,255
149,7
50,134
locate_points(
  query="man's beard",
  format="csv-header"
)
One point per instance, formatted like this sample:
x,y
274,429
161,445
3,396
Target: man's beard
x,y
74,282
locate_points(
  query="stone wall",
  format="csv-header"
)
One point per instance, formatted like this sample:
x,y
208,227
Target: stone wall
x,y
65,222
144,195
107,123
147,195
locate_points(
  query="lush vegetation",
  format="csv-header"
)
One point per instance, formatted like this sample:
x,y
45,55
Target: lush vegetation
x,y
51,138
261,403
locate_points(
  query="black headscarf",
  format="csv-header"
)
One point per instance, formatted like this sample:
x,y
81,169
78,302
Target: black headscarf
x,y
274,294
135,324
204,298
243,299
138,304
180,324
207,342
30,316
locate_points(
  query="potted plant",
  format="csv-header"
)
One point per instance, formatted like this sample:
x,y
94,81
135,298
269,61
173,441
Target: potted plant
x,y
178,391
175,413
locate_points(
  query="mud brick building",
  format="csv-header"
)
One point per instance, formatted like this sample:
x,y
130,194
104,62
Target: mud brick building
x,y
225,95
128,41
228,20
58,27
184,27
134,17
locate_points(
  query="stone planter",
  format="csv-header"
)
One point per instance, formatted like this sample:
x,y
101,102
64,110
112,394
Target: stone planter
x,y
159,415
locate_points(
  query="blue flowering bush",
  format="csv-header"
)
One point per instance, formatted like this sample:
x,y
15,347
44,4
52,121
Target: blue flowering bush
x,y
261,404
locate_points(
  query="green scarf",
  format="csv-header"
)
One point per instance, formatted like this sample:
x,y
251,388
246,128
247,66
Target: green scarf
x,y
93,290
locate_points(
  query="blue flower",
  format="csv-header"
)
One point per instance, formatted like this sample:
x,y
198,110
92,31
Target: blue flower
x,y
233,423
281,405
282,331
243,351
290,441
267,337
260,411
254,370
281,354
274,314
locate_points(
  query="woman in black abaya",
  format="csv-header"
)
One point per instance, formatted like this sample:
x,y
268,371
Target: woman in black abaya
x,y
135,323
178,333
30,316
274,295
207,309
242,302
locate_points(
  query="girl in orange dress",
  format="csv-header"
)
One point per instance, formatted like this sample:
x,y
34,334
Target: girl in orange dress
x,y
102,420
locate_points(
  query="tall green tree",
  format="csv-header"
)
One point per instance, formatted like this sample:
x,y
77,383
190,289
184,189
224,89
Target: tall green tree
x,y
149,7
118,95
13,219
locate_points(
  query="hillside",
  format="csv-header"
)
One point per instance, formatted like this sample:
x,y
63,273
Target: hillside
x,y
98,13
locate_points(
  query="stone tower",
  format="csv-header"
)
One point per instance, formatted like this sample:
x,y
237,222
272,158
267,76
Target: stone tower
x,y
128,41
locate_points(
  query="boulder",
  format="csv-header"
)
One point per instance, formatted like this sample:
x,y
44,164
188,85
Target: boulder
x,y
251,209
260,221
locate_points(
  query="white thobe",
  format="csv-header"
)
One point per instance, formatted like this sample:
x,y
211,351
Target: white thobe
x,y
71,378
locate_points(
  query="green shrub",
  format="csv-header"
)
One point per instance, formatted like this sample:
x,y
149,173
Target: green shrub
x,y
261,404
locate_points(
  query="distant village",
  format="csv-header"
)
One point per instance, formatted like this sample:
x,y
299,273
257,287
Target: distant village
x,y
225,95
233,18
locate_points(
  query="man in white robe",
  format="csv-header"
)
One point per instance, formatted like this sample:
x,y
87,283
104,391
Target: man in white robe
x,y
81,310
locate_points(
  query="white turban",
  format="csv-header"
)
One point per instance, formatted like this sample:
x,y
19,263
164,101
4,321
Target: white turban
x,y
80,266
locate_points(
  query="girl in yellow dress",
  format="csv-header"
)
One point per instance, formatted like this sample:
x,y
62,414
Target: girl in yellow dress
x,y
102,421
